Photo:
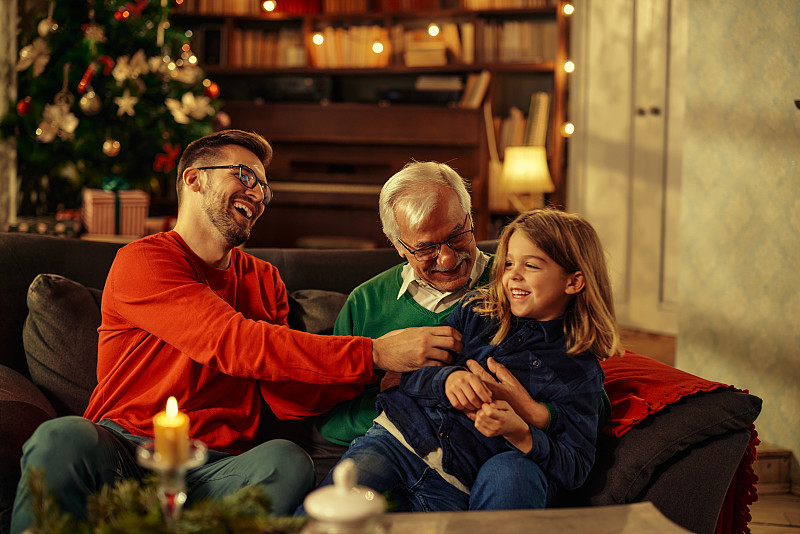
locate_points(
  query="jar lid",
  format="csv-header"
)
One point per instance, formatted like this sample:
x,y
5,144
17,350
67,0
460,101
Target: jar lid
x,y
344,501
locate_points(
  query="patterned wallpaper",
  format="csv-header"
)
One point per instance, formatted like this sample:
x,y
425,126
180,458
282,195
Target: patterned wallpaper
x,y
740,212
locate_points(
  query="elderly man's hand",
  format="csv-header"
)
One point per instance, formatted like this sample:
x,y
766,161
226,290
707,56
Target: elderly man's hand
x,y
412,348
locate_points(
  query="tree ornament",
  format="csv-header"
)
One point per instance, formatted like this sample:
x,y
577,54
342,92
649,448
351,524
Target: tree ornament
x,y
211,90
94,33
24,107
187,74
58,120
111,147
48,24
221,121
127,68
46,27
86,79
166,162
37,54
189,107
90,103
126,103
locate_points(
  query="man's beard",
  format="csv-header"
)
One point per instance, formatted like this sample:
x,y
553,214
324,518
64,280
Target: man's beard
x,y
221,216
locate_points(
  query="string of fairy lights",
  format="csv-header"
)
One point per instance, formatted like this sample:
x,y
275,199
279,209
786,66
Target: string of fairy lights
x,y
378,47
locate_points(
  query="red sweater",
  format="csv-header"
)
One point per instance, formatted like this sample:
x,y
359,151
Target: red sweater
x,y
216,339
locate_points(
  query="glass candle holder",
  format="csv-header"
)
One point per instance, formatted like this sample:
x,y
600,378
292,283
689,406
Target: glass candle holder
x,y
171,478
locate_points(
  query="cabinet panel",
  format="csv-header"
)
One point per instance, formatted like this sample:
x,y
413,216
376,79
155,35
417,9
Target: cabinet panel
x,y
625,158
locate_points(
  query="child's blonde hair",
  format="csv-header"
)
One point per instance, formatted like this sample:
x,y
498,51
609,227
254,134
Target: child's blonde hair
x,y
589,321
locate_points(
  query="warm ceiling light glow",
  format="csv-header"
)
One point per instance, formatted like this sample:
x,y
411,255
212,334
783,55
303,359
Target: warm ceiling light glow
x,y
567,129
569,66
317,39
269,5
568,9
433,30
377,47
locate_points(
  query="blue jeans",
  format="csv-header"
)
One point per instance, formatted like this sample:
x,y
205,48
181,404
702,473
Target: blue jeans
x,y
506,481
77,457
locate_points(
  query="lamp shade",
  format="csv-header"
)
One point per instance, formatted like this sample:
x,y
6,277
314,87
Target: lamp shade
x,y
525,170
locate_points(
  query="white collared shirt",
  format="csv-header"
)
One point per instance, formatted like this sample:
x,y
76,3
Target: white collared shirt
x,y
432,299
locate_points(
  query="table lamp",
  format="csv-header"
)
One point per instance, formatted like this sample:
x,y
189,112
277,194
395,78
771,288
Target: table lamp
x,y
526,177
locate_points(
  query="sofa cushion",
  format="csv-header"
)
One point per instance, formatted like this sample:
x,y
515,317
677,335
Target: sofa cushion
x,y
22,408
314,310
60,340
657,412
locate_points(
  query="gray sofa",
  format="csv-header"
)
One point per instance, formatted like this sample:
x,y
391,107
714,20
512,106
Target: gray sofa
x,y
689,453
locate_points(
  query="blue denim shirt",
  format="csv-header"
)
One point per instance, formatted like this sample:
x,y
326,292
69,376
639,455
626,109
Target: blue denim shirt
x,y
535,352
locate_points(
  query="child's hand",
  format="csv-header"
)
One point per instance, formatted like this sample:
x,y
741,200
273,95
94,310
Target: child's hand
x,y
508,388
466,392
499,419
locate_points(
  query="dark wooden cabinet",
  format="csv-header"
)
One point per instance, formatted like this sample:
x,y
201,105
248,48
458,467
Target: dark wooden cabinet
x,y
331,161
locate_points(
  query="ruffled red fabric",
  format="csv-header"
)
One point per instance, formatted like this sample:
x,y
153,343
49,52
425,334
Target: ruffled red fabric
x,y
639,386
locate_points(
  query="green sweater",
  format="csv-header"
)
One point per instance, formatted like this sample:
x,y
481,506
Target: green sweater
x,y
371,310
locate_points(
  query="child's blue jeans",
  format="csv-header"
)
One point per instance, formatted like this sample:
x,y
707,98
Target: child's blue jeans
x,y
78,457
506,481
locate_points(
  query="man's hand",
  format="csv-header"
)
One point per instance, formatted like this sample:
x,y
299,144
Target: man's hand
x,y
412,348
499,419
466,392
506,387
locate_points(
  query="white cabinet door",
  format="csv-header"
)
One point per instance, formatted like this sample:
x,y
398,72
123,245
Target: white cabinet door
x,y
626,100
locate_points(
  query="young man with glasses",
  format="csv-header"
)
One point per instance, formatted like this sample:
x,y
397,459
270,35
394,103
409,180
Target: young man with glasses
x,y
186,313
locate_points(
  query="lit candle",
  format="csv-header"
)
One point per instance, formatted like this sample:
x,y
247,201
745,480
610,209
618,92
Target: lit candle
x,y
171,430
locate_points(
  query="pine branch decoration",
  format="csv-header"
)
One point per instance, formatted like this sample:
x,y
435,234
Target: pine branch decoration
x,y
133,507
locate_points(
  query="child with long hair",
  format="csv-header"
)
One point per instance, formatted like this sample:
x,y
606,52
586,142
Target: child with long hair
x,y
540,327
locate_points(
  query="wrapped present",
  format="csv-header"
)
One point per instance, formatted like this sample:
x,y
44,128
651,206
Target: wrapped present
x,y
115,212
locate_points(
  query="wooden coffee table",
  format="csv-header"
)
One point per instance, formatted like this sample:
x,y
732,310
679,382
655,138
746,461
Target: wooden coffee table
x,y
636,518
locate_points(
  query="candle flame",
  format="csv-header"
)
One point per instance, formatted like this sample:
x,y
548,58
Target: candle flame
x,y
172,407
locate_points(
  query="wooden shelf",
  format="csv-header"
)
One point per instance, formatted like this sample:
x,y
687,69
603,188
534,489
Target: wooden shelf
x,y
338,142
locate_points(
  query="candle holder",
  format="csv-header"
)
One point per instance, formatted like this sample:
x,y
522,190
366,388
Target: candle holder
x,y
171,478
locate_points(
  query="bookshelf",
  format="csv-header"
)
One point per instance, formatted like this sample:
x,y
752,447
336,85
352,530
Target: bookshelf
x,y
269,63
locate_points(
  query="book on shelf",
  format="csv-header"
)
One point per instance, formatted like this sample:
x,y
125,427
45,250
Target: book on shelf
x,y
429,82
508,4
538,119
452,41
512,130
468,43
516,41
351,47
475,90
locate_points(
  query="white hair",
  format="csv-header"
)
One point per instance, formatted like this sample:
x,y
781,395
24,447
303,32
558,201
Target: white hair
x,y
409,191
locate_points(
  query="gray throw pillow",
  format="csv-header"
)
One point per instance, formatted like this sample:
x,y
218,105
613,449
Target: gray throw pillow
x,y
60,340
624,465
314,310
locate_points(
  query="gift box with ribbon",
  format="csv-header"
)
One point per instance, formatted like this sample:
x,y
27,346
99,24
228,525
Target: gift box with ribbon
x,y
115,210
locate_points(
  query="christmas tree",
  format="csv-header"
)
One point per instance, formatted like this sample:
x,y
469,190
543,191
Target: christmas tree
x,y
108,93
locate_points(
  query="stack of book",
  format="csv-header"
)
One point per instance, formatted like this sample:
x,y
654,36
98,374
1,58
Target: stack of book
x,y
425,54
